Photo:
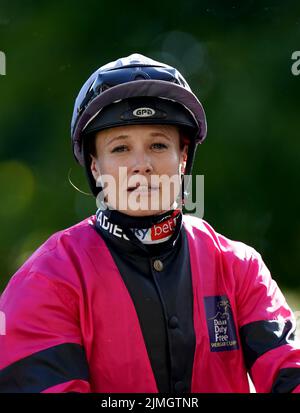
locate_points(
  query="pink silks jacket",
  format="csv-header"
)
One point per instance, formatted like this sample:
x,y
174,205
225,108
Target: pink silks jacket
x,y
70,320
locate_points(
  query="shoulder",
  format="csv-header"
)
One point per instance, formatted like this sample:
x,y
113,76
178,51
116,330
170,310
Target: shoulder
x,y
201,232
58,258
52,277
61,241
232,258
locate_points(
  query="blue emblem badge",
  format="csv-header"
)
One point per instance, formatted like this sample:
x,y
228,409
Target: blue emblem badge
x,y
221,327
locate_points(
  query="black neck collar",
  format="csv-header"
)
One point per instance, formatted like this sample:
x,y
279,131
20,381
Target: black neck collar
x,y
116,227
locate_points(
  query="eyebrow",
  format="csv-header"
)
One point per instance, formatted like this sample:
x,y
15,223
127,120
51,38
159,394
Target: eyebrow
x,y
119,137
157,134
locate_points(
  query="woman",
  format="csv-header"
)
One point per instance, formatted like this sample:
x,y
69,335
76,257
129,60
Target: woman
x,y
139,298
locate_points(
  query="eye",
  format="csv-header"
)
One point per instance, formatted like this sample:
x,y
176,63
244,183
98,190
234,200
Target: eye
x,y
159,145
120,148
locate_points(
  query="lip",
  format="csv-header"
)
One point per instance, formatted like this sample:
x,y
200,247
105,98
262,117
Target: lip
x,y
143,189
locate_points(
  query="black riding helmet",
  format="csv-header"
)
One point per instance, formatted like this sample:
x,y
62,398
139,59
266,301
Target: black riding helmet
x,y
135,90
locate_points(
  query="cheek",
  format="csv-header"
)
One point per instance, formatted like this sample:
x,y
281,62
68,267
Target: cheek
x,y
112,167
107,165
171,164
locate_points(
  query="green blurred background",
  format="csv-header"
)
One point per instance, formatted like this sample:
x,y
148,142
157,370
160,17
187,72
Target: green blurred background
x,y
237,58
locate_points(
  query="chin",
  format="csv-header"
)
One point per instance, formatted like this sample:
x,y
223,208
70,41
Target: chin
x,y
140,213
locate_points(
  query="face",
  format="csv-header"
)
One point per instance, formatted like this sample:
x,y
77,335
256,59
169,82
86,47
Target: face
x,y
139,167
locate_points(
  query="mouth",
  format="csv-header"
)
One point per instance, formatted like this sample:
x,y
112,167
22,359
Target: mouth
x,y
142,188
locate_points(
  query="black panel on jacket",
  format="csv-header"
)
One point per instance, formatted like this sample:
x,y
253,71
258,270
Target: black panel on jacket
x,y
44,369
287,380
158,278
264,335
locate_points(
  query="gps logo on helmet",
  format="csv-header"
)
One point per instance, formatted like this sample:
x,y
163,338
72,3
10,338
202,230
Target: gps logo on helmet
x,y
144,112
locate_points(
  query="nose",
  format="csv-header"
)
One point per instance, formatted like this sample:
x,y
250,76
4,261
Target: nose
x,y
142,164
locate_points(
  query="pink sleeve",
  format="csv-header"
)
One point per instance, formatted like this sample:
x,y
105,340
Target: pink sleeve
x,y
267,331
73,386
42,347
296,389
